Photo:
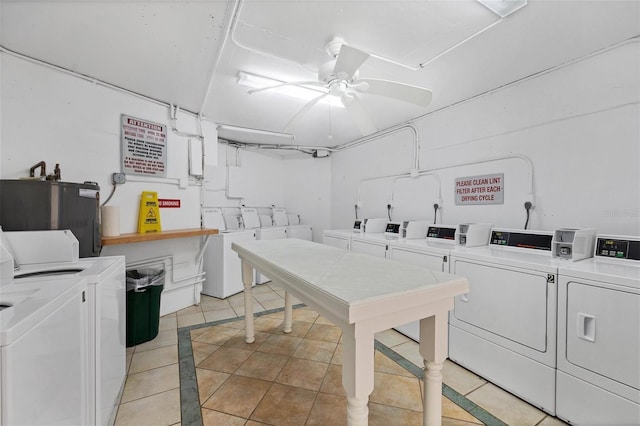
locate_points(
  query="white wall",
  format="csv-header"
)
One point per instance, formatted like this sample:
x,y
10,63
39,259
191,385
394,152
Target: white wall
x,y
60,118
52,116
307,191
262,179
256,179
578,125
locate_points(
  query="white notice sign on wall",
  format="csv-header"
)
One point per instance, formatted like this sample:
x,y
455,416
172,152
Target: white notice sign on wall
x,y
144,147
483,189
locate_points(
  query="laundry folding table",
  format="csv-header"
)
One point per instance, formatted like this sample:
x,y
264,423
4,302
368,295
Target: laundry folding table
x,y
362,295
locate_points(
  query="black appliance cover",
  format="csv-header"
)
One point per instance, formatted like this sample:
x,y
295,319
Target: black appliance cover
x,y
28,205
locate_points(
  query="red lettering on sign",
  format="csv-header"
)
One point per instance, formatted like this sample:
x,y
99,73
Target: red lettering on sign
x,y
167,203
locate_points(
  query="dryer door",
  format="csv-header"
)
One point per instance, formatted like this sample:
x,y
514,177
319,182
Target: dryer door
x,y
373,248
429,260
603,323
511,303
335,241
300,231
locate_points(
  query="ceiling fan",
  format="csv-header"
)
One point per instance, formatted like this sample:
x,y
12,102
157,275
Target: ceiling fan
x,y
340,77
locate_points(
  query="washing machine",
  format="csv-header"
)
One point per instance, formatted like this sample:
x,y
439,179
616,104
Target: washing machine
x,y
223,273
263,226
43,351
429,249
504,329
106,301
599,335
294,229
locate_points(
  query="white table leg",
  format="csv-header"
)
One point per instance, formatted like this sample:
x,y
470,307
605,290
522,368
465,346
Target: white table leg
x,y
247,281
432,393
433,348
357,375
288,312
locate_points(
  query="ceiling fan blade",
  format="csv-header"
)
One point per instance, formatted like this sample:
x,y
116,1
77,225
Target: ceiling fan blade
x,y
358,114
290,83
304,110
348,62
401,91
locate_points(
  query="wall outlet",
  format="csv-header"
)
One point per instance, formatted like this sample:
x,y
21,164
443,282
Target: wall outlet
x,y
119,178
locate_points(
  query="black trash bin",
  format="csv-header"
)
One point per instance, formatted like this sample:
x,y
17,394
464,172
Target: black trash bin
x,y
144,287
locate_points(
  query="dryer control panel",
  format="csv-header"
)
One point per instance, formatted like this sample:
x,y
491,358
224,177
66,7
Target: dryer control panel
x,y
442,232
611,247
531,240
396,230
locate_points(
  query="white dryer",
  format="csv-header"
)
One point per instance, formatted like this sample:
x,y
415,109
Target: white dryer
x,y
431,252
223,274
599,335
373,239
263,226
340,238
504,329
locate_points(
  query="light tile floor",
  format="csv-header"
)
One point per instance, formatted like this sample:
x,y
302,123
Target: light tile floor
x,y
237,383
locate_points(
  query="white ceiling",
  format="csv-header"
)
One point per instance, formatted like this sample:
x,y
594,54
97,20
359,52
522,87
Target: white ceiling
x,y
188,53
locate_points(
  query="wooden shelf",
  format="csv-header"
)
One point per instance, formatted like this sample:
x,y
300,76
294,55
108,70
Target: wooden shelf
x,y
156,236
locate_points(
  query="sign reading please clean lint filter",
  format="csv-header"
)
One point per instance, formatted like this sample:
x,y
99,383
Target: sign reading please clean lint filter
x,y
483,189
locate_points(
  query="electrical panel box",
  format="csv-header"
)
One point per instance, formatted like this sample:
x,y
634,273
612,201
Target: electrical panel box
x,y
210,145
196,163
236,185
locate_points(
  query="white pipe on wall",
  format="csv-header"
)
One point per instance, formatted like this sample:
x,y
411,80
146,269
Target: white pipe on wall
x,y
173,118
212,74
167,262
429,172
412,176
524,158
82,76
405,126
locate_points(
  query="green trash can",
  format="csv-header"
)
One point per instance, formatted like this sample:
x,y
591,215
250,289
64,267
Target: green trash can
x,y
144,287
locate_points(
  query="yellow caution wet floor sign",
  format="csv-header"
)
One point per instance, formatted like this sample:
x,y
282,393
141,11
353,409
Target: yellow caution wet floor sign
x,y
149,214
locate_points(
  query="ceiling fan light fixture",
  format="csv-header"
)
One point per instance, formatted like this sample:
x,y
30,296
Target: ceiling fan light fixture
x,y
255,81
503,8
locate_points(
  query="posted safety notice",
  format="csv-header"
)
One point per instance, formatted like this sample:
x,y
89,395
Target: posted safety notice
x,y
483,189
144,147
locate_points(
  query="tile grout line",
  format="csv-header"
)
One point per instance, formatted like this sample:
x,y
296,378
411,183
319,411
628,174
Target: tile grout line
x,y
190,410
457,398
191,414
